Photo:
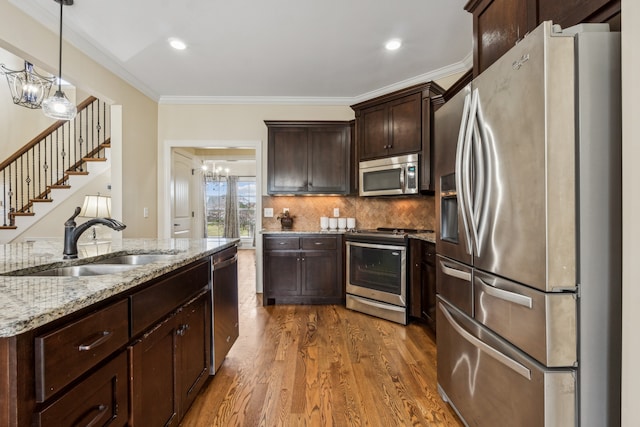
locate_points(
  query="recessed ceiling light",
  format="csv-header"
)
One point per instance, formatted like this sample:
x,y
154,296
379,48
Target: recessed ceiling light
x,y
177,44
393,44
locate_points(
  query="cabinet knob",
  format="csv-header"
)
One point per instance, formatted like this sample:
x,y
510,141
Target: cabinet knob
x,y
182,330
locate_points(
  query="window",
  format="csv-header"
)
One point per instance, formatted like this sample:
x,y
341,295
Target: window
x,y
215,202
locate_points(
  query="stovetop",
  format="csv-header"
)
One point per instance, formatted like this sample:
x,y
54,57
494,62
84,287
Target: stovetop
x,y
392,231
383,234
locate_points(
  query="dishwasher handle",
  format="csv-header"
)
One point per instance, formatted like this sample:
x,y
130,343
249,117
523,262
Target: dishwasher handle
x,y
227,262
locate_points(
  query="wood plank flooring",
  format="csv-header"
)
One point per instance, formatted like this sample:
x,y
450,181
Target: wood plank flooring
x,y
302,365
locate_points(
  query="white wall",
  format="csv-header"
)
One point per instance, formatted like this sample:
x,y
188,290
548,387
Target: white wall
x,y
630,215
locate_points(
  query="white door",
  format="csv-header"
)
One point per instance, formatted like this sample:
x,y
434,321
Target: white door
x,y
181,211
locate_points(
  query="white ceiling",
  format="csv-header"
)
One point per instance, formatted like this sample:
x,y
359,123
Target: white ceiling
x,y
316,51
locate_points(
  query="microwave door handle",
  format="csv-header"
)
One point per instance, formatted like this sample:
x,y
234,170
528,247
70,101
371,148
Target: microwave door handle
x,y
402,179
459,170
485,348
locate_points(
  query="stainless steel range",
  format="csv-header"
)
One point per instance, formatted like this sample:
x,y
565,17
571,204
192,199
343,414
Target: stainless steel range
x,y
377,272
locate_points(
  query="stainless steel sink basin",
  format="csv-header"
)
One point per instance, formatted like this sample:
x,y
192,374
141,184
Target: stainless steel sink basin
x,y
82,270
135,259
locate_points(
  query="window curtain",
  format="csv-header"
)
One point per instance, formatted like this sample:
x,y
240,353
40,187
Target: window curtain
x,y
231,223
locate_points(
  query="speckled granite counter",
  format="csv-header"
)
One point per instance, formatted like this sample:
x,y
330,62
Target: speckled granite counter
x,y
428,237
31,301
330,232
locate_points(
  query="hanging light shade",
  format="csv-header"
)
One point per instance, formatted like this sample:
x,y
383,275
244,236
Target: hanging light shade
x,y
27,87
58,106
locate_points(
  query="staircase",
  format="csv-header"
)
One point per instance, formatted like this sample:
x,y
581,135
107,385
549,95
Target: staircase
x,y
41,174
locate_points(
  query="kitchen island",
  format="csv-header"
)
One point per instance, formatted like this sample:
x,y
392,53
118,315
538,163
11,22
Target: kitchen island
x,y
89,349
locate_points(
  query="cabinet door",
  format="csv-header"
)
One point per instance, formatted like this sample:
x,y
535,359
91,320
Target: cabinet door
x,y
319,274
287,160
405,129
497,26
329,159
415,278
373,130
194,344
281,274
572,12
429,286
153,377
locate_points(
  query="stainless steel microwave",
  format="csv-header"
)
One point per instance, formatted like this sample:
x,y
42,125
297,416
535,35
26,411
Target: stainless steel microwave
x,y
389,176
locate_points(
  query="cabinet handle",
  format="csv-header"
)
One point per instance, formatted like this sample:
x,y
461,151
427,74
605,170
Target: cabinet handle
x,y
182,330
228,338
104,336
94,420
281,243
318,243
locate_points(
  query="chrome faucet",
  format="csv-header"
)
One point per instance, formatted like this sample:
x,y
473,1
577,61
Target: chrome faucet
x,y
72,233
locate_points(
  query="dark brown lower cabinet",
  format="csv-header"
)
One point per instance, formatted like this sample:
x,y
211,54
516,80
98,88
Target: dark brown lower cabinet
x,y
303,269
422,282
169,364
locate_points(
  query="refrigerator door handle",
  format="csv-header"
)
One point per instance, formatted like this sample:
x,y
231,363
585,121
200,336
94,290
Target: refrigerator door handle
x,y
467,166
513,297
454,272
460,171
485,348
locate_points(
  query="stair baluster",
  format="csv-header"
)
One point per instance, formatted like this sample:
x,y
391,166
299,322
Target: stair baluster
x,y
23,172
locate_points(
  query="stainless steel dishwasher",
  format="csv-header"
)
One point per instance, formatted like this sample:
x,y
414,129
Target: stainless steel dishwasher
x,y
224,304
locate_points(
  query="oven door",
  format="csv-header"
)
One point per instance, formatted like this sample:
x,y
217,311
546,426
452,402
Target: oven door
x,y
377,271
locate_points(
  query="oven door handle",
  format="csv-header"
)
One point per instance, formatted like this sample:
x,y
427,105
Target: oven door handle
x,y
502,358
454,272
379,305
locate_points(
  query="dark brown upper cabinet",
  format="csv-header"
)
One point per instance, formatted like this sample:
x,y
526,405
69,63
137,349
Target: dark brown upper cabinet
x,y
308,157
499,24
396,124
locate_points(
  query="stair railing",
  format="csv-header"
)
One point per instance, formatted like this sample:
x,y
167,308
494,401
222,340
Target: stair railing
x,y
47,161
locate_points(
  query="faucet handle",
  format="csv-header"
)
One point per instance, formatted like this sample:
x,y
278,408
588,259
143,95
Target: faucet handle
x,y
70,221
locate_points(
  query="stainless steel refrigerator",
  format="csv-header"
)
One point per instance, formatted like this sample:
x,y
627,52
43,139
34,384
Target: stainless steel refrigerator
x,y
528,205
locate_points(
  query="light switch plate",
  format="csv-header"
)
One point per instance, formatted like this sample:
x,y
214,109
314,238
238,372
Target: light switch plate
x,y
268,212
336,212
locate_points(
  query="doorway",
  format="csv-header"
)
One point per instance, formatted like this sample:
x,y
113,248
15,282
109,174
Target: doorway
x,y
199,148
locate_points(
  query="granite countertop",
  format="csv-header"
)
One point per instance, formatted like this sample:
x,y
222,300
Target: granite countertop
x,y
316,231
32,301
428,237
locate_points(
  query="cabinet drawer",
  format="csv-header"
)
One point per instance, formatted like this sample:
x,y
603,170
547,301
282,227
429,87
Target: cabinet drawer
x,y
275,243
491,383
99,400
542,324
66,353
153,303
319,243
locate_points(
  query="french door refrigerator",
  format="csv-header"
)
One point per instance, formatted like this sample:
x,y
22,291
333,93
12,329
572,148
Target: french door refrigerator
x,y
528,168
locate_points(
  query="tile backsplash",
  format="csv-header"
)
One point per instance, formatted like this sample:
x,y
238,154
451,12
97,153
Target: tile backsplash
x,y
369,212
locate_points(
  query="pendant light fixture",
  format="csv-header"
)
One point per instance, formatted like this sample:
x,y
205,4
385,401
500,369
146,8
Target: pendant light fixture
x,y
58,106
28,88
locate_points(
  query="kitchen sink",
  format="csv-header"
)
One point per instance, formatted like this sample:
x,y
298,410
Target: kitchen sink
x,y
135,259
112,265
80,270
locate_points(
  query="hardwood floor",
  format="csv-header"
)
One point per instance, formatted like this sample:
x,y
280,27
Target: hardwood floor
x,y
303,365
